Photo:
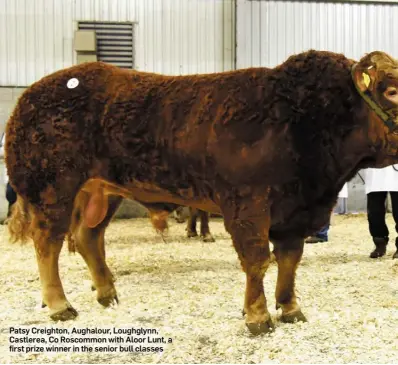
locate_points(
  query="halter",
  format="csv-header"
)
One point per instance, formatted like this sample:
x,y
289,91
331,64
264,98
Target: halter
x,y
388,120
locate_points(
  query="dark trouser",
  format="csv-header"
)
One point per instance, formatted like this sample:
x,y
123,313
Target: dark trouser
x,y
323,232
11,197
376,206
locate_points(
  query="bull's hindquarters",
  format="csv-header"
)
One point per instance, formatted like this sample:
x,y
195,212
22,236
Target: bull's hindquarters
x,y
48,239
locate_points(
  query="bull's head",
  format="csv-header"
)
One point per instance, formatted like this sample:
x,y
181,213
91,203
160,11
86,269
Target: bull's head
x,y
376,79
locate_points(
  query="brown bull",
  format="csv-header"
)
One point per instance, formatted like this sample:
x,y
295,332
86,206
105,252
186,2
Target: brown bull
x,y
269,149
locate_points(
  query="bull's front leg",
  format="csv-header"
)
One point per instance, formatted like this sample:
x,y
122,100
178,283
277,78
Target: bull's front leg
x,y
251,243
248,223
288,254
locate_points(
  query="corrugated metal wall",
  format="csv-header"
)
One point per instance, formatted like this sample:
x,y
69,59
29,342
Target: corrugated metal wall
x,y
171,36
270,31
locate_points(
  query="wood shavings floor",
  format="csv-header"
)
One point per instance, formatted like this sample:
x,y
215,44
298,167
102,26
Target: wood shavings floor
x,y
193,292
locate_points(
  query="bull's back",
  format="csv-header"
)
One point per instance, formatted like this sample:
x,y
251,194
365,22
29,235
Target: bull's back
x,y
138,122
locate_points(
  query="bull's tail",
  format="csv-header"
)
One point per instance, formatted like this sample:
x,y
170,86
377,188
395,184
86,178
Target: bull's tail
x,y
20,221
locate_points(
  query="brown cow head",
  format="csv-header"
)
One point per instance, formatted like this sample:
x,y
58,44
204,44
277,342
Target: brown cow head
x,y
376,79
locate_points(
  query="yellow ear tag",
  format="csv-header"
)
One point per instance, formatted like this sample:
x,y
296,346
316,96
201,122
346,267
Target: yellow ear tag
x,y
366,79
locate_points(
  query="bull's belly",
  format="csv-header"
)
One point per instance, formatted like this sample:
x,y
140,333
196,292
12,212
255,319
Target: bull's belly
x,y
149,193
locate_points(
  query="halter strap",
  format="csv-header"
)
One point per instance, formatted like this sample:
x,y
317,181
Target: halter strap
x,y
367,96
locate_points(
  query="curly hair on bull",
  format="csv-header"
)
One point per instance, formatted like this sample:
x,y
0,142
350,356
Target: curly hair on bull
x,y
124,126
315,97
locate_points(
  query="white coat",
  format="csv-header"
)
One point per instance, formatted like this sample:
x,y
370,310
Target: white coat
x,y
384,179
344,191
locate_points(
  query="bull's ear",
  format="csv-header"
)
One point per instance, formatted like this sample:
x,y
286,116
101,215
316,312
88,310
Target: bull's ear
x,y
362,77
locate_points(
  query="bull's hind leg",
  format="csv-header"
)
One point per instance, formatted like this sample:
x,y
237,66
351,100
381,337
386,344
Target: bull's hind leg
x,y
48,237
288,255
90,243
204,227
249,232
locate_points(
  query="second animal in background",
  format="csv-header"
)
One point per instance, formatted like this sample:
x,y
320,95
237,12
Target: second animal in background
x,y
180,217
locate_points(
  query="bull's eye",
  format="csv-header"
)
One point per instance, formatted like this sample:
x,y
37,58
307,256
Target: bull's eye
x,y
391,91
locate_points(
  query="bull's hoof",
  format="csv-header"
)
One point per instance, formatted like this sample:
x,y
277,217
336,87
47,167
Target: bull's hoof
x,y
293,317
260,328
208,238
108,300
395,256
93,288
64,315
191,234
180,220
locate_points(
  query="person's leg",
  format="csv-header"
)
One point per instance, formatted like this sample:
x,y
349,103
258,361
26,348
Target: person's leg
x,y
376,207
394,204
321,235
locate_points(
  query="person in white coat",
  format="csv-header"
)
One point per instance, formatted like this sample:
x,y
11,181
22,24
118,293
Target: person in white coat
x,y
379,182
322,234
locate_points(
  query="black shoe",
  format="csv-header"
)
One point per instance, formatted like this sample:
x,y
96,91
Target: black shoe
x,y
381,246
315,239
